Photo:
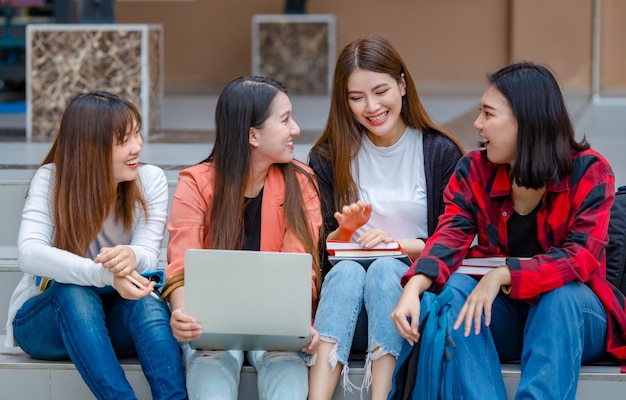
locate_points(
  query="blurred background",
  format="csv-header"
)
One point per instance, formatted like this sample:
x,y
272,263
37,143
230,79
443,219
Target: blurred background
x,y
449,45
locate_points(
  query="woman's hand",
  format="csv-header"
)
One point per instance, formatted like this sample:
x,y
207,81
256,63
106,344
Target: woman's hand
x,y
184,327
480,301
406,315
120,260
129,290
314,344
350,219
373,237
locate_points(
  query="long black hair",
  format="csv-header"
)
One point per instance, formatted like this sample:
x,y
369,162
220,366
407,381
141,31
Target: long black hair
x,y
243,104
545,136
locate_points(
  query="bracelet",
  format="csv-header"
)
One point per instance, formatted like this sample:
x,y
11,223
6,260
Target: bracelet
x,y
506,289
176,281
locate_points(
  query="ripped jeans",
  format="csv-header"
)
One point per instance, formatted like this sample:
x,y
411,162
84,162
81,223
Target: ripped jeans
x,y
346,289
215,375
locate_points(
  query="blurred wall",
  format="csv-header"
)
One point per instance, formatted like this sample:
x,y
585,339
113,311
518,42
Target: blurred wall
x,y
449,45
613,53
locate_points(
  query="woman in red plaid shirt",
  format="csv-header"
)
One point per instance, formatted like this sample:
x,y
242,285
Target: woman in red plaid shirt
x,y
542,200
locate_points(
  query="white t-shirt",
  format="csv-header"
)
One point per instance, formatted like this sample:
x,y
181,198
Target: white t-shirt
x,y
392,179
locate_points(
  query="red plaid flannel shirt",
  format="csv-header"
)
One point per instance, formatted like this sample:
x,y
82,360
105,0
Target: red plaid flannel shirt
x,y
573,221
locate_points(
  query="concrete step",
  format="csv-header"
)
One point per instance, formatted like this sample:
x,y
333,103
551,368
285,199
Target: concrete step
x,y
13,187
33,379
10,275
25,378
12,192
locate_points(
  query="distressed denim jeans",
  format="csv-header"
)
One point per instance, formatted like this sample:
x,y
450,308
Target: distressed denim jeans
x,y
93,327
347,289
215,375
552,338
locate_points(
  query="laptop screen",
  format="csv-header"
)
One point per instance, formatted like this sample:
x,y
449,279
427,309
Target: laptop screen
x,y
249,300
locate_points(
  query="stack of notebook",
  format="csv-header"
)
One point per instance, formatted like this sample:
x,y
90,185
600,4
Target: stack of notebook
x,y
340,250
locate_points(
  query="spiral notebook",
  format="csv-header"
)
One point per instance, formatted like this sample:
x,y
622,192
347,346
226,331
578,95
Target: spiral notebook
x,y
249,300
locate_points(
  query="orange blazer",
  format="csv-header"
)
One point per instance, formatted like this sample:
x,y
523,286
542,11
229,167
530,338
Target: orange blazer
x,y
190,219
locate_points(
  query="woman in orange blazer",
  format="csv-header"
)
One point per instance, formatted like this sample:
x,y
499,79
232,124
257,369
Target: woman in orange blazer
x,y
249,194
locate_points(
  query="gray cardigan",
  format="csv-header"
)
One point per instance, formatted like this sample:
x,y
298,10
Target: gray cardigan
x,y
440,158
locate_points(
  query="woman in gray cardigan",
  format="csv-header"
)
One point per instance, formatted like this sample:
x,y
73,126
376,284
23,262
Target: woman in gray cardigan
x,y
382,165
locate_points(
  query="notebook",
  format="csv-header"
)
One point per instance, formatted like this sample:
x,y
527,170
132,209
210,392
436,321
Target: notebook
x,y
346,250
480,266
249,300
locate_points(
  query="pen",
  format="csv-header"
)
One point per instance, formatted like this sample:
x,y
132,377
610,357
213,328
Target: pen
x,y
137,283
140,286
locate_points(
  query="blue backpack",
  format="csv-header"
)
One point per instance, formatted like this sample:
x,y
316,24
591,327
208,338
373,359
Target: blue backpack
x,y
427,370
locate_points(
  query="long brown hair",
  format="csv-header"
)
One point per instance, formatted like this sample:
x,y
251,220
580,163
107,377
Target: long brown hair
x,y
245,103
341,139
85,190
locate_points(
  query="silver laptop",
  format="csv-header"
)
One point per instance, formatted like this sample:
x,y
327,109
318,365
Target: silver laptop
x,y
249,300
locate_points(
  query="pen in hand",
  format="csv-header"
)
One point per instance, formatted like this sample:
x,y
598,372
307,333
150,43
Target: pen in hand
x,y
134,281
140,286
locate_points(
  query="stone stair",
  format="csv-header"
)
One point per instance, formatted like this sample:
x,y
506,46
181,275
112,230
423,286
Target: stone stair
x,y
27,378
23,377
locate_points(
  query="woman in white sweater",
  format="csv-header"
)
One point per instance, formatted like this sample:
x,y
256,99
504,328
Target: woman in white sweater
x,y
92,223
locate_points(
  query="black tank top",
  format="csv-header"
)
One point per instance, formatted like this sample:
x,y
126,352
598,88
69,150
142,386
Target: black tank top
x,y
523,236
252,223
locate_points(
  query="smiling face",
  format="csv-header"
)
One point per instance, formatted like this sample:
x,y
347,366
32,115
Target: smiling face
x,y
497,126
273,141
125,155
375,100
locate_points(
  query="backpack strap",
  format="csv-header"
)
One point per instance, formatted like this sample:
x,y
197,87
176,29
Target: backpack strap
x,y
432,348
419,367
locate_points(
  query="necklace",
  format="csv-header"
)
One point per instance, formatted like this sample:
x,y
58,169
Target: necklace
x,y
525,200
523,210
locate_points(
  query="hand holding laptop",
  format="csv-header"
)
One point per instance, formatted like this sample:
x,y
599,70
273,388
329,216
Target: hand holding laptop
x,y
314,344
247,300
184,327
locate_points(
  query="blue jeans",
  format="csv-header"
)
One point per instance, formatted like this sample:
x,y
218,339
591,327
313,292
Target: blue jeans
x,y
552,338
93,327
346,289
214,375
